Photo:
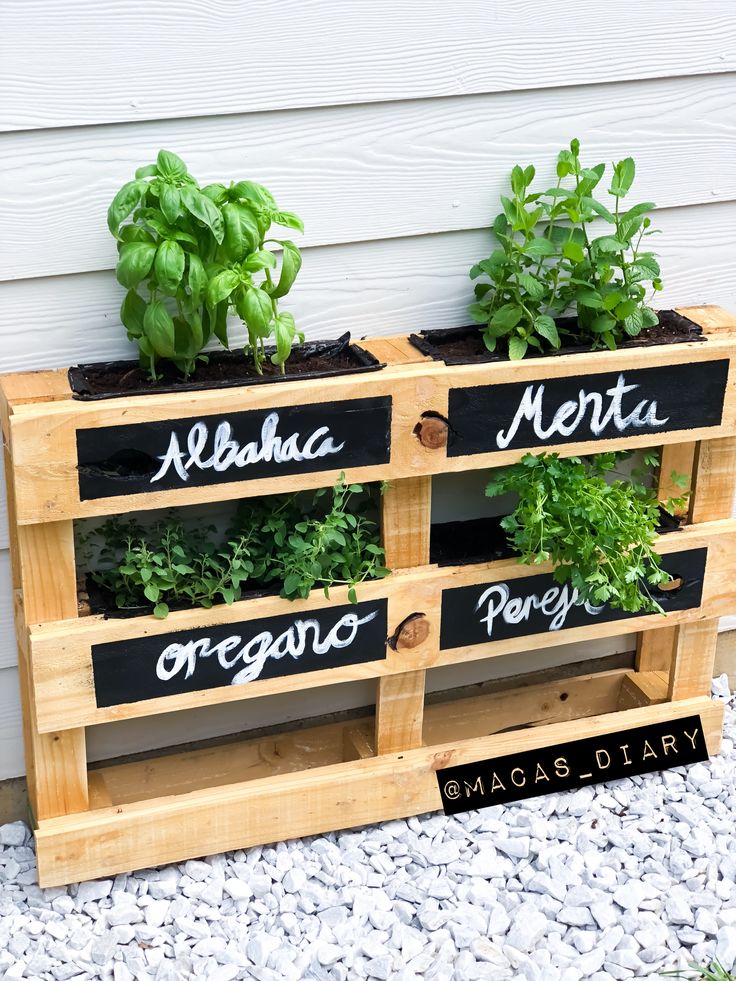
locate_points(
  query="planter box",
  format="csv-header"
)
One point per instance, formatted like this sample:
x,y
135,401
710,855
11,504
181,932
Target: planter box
x,y
415,417
67,459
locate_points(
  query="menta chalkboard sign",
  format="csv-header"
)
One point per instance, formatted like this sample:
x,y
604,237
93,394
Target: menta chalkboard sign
x,y
487,418
215,449
537,604
238,653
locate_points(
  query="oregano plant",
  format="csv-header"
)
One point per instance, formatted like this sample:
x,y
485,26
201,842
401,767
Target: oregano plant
x,y
300,541
187,255
548,263
599,533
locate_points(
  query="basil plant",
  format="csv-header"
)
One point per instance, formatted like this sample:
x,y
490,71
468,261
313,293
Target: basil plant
x,y
188,255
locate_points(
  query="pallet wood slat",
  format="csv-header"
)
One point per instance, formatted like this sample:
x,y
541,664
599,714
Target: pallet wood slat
x,y
328,776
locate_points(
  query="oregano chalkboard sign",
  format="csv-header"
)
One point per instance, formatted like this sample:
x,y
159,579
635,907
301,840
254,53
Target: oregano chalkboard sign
x,y
487,418
216,449
578,763
238,653
511,608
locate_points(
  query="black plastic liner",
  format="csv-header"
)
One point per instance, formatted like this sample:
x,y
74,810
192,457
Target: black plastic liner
x,y
484,540
82,389
433,342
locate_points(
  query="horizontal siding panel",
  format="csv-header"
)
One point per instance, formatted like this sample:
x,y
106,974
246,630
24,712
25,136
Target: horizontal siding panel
x,y
11,732
377,288
102,61
369,172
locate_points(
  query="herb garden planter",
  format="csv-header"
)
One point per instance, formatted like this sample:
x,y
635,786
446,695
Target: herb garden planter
x,y
69,459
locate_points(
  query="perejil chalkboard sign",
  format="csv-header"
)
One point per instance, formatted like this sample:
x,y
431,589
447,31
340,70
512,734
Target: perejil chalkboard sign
x,y
238,653
511,608
216,449
567,766
487,418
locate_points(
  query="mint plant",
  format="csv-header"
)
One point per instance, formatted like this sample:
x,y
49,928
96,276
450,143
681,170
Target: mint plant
x,y
598,533
302,540
548,263
188,254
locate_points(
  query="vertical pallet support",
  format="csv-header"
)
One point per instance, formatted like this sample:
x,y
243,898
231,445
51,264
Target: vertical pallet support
x,y
44,589
694,645
405,523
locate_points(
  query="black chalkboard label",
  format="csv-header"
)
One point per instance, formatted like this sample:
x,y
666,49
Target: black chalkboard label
x,y
216,449
238,653
518,415
511,608
566,766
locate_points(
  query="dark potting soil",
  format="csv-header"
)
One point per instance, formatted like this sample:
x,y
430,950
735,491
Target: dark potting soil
x,y
464,345
223,369
484,540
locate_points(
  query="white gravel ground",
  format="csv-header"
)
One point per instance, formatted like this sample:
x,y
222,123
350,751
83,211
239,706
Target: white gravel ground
x,y
617,881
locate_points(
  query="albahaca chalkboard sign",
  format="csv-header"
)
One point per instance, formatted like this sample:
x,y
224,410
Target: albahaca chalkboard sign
x,y
566,766
238,653
216,449
579,408
511,608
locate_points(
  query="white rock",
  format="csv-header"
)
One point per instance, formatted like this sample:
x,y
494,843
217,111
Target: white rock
x,y
261,946
294,880
13,834
678,911
329,954
527,929
238,890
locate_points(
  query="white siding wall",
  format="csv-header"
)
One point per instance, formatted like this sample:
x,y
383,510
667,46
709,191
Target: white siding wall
x,y
390,127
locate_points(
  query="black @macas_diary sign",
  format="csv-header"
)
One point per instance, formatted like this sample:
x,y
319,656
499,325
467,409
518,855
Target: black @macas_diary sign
x,y
488,418
238,653
578,763
520,607
152,456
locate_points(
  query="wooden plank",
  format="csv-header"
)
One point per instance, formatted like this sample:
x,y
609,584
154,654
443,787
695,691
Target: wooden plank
x,y
44,436
642,688
380,54
61,651
374,288
691,673
441,163
406,518
56,761
173,828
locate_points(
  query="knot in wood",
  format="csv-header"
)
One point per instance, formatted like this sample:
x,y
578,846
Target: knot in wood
x,y
431,432
412,632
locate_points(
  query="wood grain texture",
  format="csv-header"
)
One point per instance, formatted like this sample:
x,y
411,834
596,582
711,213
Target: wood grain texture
x,y
166,829
375,288
229,57
370,172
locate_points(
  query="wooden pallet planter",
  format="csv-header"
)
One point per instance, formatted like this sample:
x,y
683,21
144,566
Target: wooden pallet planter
x,y
67,459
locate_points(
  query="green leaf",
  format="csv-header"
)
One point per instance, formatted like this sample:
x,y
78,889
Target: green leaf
x,y
539,247
531,285
600,210
152,592
623,177
649,317
607,243
169,201
517,348
161,611
352,595
257,311
291,263
169,165
221,286
134,264
196,278
289,220
292,583
169,265
546,327
204,210
159,329
128,197
284,330
217,193
219,324
242,234
257,193
633,323
132,312
507,317
150,170
263,259
573,252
